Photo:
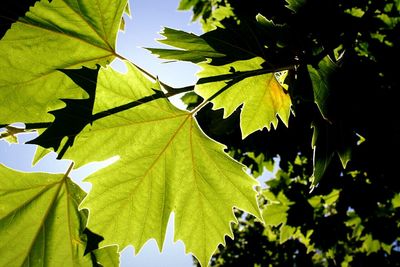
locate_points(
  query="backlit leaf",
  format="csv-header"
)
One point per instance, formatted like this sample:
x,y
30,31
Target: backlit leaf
x,y
166,164
107,256
262,96
295,5
40,224
192,48
62,34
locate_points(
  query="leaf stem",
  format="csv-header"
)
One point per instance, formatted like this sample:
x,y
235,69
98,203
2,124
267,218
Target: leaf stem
x,y
71,166
154,78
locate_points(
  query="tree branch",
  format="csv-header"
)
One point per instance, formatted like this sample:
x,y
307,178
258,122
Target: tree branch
x,y
111,111
30,126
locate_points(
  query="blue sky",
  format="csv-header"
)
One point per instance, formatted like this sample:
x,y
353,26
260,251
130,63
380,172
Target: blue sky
x,y
148,18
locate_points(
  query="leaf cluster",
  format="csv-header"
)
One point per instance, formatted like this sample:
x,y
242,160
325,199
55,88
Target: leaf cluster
x,y
277,79
342,86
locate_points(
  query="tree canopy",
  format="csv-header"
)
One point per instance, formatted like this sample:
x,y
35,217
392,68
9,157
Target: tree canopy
x,y
307,85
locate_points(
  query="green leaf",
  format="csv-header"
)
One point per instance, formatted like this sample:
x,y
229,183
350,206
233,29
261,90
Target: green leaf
x,y
321,79
62,34
220,46
193,48
77,113
9,134
295,5
328,140
187,4
323,151
107,256
262,96
286,232
275,212
40,224
370,245
396,201
127,11
200,8
166,164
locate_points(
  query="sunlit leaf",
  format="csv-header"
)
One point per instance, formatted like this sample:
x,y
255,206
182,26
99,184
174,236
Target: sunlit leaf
x,y
62,34
40,224
295,5
167,164
191,47
275,212
261,96
107,256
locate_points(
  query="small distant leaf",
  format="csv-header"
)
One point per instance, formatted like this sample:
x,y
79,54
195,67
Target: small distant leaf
x,y
10,134
167,164
262,96
275,214
40,224
370,245
396,201
63,34
200,8
187,4
191,100
295,5
286,232
345,153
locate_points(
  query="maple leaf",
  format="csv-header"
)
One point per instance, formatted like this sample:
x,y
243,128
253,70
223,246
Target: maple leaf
x,y
40,223
192,48
166,164
328,140
62,34
321,78
262,96
219,46
275,212
330,134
